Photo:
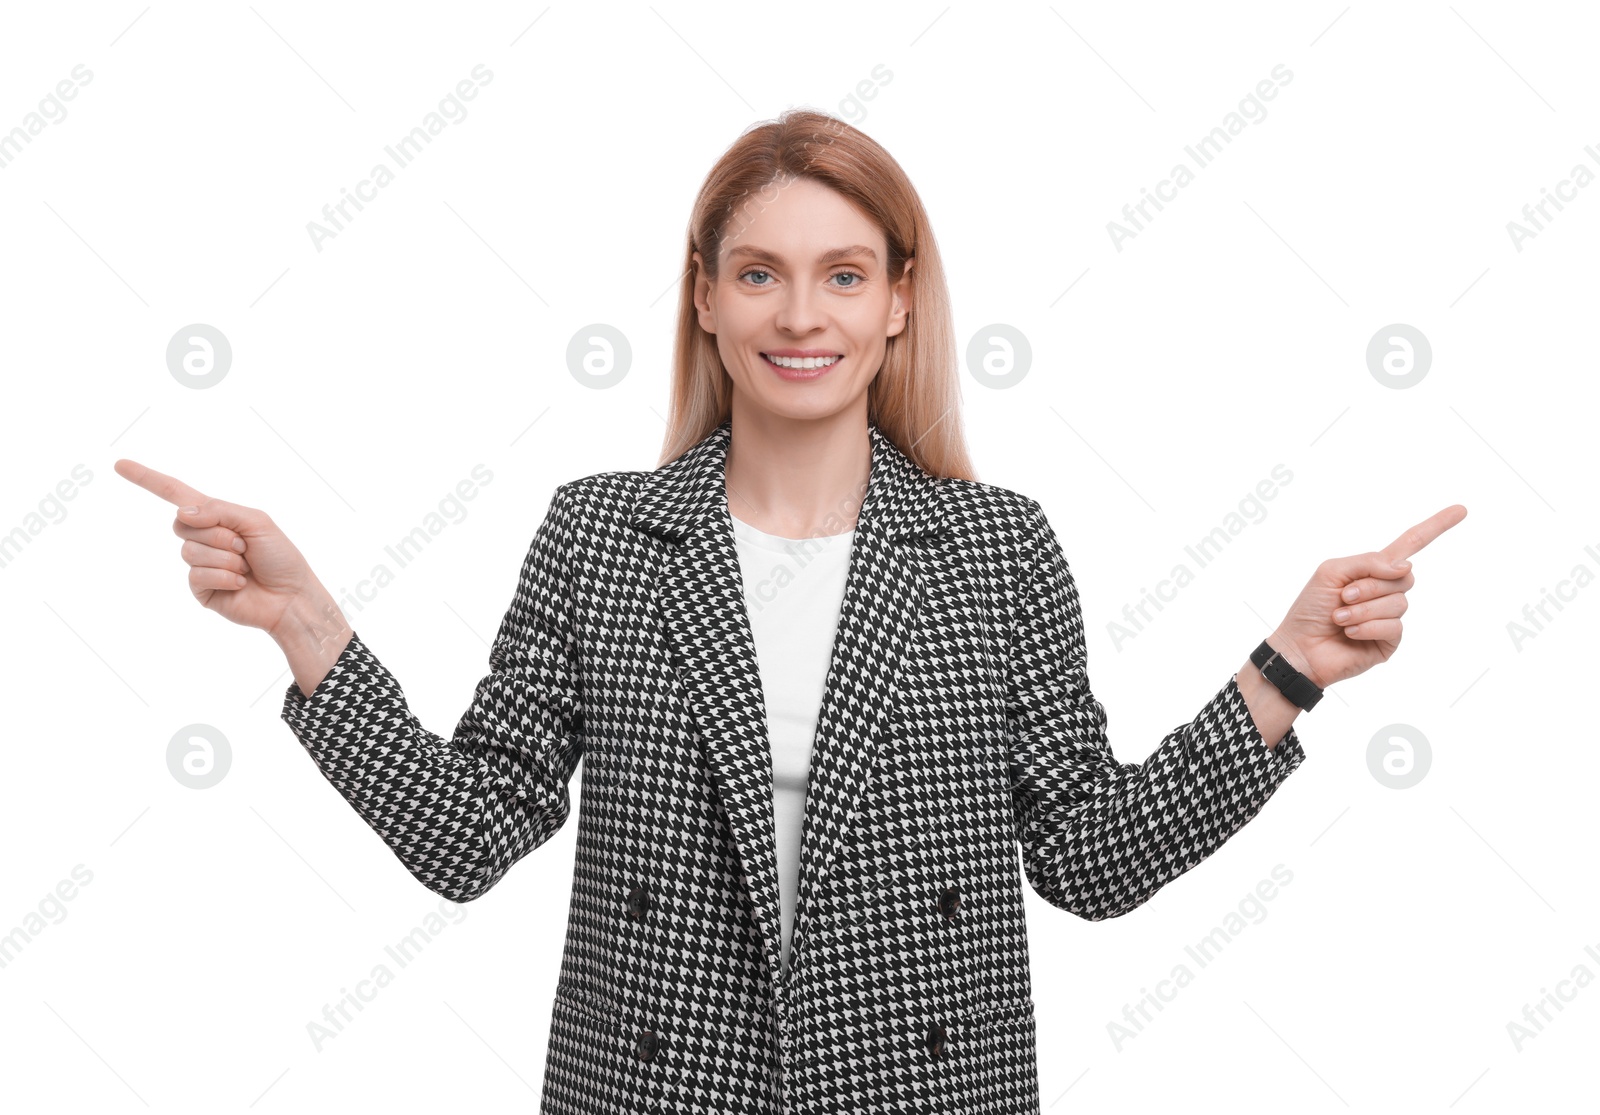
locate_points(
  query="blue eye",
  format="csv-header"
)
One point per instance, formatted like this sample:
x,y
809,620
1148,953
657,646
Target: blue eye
x,y
840,275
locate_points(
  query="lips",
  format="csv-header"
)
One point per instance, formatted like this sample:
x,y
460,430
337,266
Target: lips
x,y
803,372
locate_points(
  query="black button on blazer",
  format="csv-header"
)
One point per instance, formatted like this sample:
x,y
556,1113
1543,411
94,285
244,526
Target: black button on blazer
x,y
957,723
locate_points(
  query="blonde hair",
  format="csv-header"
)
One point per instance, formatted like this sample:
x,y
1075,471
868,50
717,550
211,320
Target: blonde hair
x,y
915,396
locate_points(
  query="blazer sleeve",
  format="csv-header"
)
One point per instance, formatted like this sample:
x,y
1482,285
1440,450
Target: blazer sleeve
x,y
1100,837
459,812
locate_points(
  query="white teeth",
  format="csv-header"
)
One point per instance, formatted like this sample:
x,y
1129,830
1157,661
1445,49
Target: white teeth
x,y
802,362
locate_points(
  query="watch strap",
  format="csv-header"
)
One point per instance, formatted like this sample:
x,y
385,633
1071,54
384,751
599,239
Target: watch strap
x,y
1290,681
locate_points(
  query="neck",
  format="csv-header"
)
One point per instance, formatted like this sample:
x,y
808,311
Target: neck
x,y
798,478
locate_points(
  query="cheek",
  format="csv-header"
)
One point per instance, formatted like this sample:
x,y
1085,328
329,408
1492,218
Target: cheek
x,y
870,330
737,319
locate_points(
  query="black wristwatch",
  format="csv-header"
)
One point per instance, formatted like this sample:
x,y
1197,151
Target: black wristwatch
x,y
1290,681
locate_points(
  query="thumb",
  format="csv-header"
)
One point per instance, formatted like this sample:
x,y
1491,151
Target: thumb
x,y
219,512
1372,564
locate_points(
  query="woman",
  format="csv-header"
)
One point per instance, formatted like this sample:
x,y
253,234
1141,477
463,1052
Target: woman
x,y
796,883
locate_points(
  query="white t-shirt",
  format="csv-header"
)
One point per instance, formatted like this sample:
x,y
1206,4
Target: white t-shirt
x,y
792,591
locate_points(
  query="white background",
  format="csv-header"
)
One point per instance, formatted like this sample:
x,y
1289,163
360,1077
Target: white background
x,y
430,335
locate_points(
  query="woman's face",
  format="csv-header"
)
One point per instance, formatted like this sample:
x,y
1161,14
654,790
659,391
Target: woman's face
x,y
802,276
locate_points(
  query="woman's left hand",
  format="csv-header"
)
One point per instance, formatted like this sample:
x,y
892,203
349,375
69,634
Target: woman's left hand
x,y
1328,645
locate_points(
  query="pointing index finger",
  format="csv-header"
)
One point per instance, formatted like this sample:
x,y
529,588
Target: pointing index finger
x,y
1414,539
169,488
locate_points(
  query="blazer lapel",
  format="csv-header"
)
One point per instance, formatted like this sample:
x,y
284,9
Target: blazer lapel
x,y
698,592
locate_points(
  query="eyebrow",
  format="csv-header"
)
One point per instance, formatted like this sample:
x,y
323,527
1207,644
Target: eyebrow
x,y
828,257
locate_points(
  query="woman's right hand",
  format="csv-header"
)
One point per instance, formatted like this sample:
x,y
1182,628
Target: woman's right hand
x,y
241,565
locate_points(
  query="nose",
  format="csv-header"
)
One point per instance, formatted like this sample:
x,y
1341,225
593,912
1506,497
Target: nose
x,y
800,311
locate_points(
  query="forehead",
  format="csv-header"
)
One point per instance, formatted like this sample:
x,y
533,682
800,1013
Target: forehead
x,y
797,221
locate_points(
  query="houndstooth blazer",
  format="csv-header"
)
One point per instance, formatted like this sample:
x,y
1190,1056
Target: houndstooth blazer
x,y
957,725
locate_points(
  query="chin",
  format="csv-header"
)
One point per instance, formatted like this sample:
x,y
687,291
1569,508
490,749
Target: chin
x,y
805,406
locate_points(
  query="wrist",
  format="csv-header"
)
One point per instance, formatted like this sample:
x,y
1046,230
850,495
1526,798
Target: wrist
x,y
1291,653
310,621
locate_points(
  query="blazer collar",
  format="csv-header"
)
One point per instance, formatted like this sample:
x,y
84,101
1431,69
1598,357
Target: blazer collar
x,y
688,494
698,594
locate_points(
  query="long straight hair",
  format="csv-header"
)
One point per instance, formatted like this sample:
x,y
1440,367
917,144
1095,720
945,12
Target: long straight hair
x,y
915,396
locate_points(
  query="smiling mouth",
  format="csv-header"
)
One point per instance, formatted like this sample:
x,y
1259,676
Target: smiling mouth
x,y
802,363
